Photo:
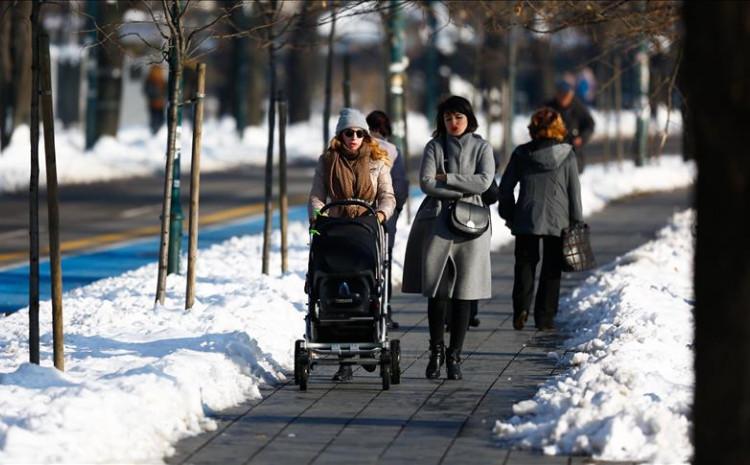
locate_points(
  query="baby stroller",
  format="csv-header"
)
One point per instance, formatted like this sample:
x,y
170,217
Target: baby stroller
x,y
347,295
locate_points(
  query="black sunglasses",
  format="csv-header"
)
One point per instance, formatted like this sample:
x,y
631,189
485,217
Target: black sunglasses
x,y
350,133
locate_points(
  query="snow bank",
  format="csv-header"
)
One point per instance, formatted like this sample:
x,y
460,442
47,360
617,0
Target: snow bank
x,y
628,391
139,378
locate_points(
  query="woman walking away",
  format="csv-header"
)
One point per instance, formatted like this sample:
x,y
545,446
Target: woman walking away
x,y
380,129
353,167
549,200
447,267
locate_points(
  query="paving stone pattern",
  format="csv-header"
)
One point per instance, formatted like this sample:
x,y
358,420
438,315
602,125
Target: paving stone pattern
x,y
423,421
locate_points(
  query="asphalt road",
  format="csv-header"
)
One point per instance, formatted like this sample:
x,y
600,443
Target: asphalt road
x,y
93,215
97,214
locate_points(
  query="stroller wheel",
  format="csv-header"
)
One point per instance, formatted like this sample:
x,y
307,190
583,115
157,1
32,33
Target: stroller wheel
x,y
396,361
385,369
298,353
304,373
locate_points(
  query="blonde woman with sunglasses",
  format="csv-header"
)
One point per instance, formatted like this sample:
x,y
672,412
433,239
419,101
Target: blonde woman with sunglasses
x,y
353,166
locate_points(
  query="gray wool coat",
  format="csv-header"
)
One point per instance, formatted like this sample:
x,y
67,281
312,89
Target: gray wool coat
x,y
432,246
550,194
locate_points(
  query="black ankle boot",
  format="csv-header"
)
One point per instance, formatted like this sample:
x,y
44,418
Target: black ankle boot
x,y
437,358
519,319
453,364
344,374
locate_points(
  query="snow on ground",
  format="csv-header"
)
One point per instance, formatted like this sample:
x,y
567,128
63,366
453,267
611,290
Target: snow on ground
x,y
135,152
628,390
138,377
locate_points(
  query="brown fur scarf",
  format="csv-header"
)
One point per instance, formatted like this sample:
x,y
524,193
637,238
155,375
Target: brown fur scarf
x,y
348,176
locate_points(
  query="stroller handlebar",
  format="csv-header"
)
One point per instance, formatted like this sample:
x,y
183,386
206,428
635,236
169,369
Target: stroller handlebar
x,y
358,202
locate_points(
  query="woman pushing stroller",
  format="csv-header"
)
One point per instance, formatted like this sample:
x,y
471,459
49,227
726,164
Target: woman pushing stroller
x,y
352,167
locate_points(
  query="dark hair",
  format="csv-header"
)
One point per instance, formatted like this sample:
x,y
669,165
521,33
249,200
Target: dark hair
x,y
454,104
378,121
546,123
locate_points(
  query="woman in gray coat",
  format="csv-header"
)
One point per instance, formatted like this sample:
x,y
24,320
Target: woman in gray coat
x,y
447,268
549,200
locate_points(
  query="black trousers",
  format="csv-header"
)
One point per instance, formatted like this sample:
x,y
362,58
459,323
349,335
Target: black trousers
x,y
548,292
390,227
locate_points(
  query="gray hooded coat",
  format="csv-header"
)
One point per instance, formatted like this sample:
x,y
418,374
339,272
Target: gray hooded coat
x,y
550,195
470,170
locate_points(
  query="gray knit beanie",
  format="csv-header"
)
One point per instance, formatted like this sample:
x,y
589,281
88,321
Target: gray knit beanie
x,y
351,118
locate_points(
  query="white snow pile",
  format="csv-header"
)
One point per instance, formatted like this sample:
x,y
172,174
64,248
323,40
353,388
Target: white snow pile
x,y
137,377
628,390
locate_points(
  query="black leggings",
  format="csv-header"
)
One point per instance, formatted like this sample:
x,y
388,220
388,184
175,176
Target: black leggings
x,y
459,320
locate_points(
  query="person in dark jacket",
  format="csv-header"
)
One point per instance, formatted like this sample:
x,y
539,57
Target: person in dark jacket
x,y
450,269
577,119
380,130
549,200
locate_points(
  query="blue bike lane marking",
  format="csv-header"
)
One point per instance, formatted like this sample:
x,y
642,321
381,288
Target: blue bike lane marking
x,y
80,269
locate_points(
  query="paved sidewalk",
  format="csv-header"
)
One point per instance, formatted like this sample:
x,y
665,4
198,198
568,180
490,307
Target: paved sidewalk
x,y
423,421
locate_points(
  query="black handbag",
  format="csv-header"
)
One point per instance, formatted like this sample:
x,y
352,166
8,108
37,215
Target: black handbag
x,y
465,218
468,219
577,254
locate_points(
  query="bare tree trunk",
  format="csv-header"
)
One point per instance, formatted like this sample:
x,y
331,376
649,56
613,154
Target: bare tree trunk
x,y
109,65
15,75
618,109
283,198
53,213
301,61
268,200
34,194
195,172
6,104
346,81
257,86
716,67
329,81
175,69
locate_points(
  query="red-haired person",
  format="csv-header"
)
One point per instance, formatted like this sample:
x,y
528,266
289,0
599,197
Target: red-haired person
x,y
549,200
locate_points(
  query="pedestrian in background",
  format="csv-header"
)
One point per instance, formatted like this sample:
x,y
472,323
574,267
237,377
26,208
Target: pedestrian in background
x,y
155,88
549,200
450,269
380,130
575,116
